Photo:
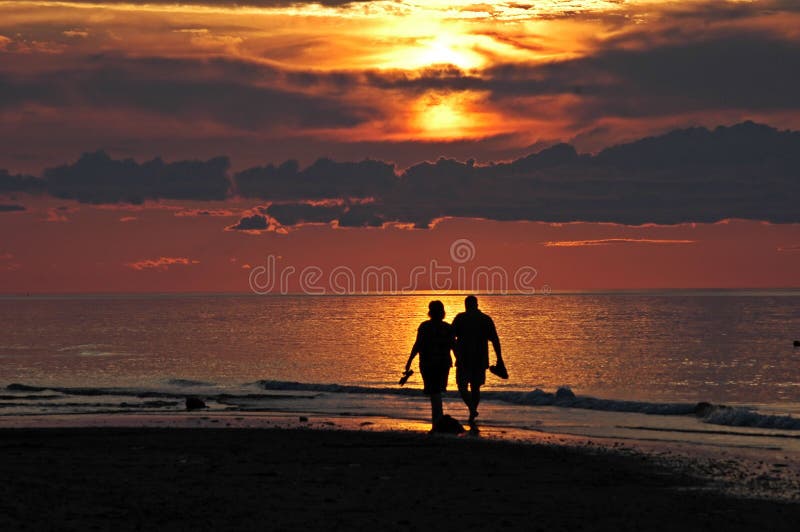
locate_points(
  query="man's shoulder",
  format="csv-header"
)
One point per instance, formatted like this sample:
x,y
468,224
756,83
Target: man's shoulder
x,y
460,317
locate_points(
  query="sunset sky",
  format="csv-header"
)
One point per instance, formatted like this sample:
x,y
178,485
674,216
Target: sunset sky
x,y
173,146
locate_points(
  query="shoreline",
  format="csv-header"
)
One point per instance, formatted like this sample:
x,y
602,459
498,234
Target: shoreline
x,y
290,478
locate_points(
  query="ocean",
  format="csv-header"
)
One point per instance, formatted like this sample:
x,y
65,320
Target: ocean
x,y
628,365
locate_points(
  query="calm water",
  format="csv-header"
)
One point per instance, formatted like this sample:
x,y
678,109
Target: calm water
x,y
658,347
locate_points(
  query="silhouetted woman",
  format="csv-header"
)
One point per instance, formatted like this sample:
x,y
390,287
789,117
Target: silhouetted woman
x,y
434,342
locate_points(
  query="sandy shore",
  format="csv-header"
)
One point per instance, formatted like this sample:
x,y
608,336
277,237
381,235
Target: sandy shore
x,y
302,479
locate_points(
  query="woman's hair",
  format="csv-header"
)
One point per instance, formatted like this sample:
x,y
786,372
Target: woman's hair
x,y
436,310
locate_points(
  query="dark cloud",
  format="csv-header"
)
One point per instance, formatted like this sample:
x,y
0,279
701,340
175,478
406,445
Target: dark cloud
x,y
97,178
323,179
11,208
362,216
744,71
744,171
256,222
297,213
19,183
713,11
748,171
745,144
240,94
635,78
346,214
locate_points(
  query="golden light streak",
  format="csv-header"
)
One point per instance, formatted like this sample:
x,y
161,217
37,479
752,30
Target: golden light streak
x,y
438,48
614,241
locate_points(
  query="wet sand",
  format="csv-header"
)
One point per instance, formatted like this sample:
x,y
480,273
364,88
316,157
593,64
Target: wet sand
x,y
306,479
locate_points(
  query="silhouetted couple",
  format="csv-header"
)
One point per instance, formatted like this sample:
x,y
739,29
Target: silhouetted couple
x,y
468,337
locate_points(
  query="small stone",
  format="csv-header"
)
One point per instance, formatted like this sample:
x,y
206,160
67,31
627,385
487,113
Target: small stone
x,y
564,394
195,403
447,425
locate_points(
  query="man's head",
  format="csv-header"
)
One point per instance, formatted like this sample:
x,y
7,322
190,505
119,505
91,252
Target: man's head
x,y
436,310
471,303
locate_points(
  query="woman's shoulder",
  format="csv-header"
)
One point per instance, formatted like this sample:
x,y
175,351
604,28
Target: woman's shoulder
x,y
431,324
443,326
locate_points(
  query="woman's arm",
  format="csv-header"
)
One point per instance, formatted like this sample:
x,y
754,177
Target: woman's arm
x,y
415,348
411,359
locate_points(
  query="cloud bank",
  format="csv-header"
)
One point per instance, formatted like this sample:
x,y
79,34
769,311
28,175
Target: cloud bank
x,y
97,178
747,171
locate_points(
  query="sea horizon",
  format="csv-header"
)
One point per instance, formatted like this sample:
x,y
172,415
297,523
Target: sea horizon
x,y
756,291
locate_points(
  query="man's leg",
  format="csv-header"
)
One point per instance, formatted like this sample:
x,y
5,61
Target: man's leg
x,y
436,407
463,387
466,395
476,399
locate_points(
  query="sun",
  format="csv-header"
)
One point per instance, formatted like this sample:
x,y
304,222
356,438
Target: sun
x,y
443,116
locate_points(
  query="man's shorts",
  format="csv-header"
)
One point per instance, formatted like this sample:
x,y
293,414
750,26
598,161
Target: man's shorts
x,y
474,376
434,379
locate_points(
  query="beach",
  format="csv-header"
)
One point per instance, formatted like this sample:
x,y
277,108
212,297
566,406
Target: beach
x,y
623,412
143,478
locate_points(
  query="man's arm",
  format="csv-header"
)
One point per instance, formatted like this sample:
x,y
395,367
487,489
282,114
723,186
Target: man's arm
x,y
454,334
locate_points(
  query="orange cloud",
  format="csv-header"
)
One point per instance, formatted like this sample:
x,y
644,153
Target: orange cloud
x,y
161,263
7,262
82,34
614,241
255,223
60,214
205,212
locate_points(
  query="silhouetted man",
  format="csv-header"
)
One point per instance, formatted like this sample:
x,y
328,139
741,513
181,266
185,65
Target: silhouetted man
x,y
473,331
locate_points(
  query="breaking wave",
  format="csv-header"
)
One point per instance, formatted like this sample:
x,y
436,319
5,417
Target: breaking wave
x,y
565,398
188,383
267,390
